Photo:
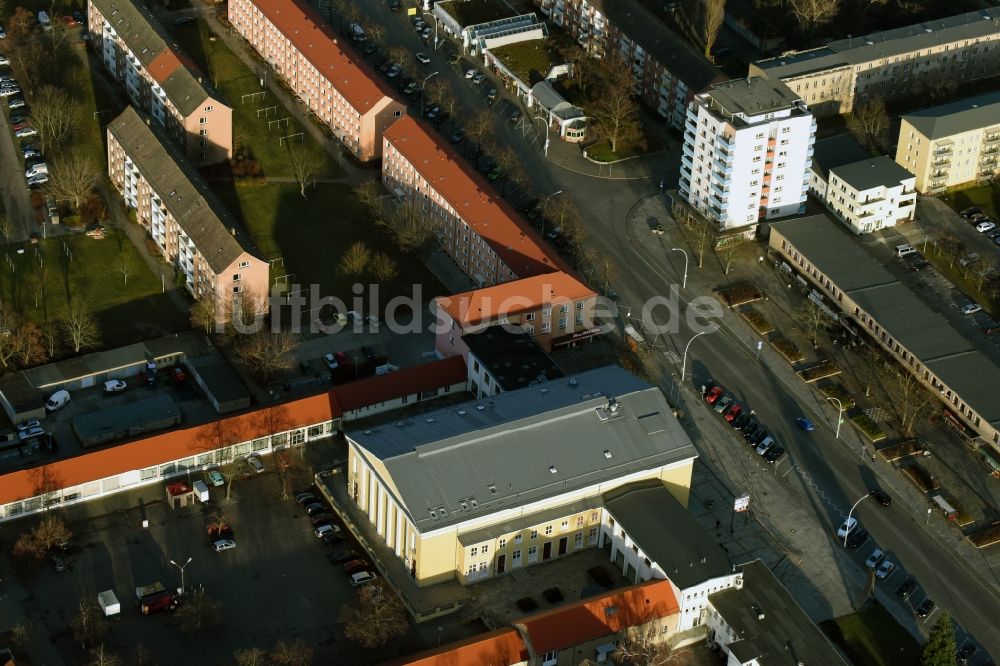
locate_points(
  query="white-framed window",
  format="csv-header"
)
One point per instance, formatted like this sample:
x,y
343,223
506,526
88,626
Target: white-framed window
x,y
579,521
486,548
578,540
502,544
244,264
236,277
532,553
516,557
564,526
517,539
473,551
548,530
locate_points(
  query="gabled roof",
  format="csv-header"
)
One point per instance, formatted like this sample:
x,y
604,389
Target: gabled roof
x,y
952,118
473,199
608,614
215,232
318,43
408,381
465,461
502,647
873,172
145,37
490,304
550,98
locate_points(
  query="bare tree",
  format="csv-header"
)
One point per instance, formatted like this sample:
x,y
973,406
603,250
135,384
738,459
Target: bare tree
x,y
413,229
30,345
250,657
54,113
49,532
199,613
292,653
615,113
811,318
72,176
265,353
124,267
52,338
5,226
731,250
89,625
869,123
356,260
435,91
101,656
713,13
812,14
375,30
702,236
642,645
26,59
369,194
383,267
378,618
481,126
81,327
203,314
143,656
401,56
911,396
305,165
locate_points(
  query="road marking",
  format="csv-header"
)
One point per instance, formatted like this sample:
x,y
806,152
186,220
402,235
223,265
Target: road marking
x,y
672,356
930,615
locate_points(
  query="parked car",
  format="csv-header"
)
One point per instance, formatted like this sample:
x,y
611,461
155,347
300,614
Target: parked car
x,y
394,71
491,96
331,361
967,652
3,33
395,6
764,445
37,180
984,226
880,496
57,400
326,529
25,132
422,58
215,478
314,507
184,20
885,570
28,433
740,421
9,91
773,454
857,538
969,212
971,308
514,116
223,544
469,73
362,578
478,78
321,519
255,463
342,556
352,566
370,49
713,394
734,410
29,424
411,87
31,152
759,437
305,498
875,558
330,540
457,136
907,588
846,527
16,103
805,424
18,117
925,607
432,112
57,562
114,386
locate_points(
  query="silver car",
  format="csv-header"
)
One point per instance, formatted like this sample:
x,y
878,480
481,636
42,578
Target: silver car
x,y
223,544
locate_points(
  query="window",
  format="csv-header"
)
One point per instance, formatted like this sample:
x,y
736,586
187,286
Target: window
x,y
579,521
237,289
548,530
578,540
594,515
486,548
516,557
208,109
236,277
564,526
550,657
203,132
473,551
203,120
397,114
244,264
534,534
517,539
532,553
502,544
592,536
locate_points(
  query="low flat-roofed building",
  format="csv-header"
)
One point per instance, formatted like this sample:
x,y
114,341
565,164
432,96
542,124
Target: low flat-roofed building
x,y
758,622
476,490
138,417
500,359
831,152
952,144
872,194
896,318
652,535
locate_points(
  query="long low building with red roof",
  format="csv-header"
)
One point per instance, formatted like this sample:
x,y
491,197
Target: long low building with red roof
x,y
327,76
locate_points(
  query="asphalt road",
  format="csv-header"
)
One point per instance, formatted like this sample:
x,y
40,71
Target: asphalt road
x,y
16,200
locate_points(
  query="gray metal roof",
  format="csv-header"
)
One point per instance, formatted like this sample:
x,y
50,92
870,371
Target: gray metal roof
x,y
215,232
469,460
952,118
769,624
670,49
550,98
873,172
897,310
899,41
146,38
514,359
835,151
753,96
667,533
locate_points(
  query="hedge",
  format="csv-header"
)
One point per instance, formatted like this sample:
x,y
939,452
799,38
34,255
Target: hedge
x,y
739,294
865,424
909,447
840,393
921,478
757,321
986,536
787,349
821,370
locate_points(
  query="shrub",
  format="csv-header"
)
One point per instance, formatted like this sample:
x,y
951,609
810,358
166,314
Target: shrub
x,y
757,321
152,247
739,294
868,426
838,392
527,604
921,478
553,595
909,447
986,536
787,349
819,371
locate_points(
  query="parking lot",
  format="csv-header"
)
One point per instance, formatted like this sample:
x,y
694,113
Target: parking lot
x,y
296,591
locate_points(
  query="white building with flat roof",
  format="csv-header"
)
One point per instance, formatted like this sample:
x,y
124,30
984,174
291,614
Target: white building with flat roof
x,y
871,194
748,146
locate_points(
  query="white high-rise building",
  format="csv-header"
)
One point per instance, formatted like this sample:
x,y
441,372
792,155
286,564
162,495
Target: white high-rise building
x,y
748,146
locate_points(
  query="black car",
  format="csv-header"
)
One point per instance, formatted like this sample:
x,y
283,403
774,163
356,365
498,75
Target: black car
x,y
18,117
741,420
342,556
184,20
969,212
925,608
749,426
773,454
314,508
331,540
306,498
458,135
369,353
370,49
395,6
907,588
441,117
880,496
967,652
857,538
322,518
58,563
758,437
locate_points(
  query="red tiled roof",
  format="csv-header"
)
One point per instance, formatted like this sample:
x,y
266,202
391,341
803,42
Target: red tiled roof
x,y
608,614
511,298
317,41
474,199
503,647
373,390
164,65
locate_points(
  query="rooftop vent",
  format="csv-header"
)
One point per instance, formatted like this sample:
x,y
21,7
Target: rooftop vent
x,y
552,469
428,420
607,453
480,407
573,382
461,412
758,610
611,611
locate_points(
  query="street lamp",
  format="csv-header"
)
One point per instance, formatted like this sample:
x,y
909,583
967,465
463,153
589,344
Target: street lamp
x,y
686,347
545,147
423,86
684,283
545,205
435,28
840,415
182,567
848,531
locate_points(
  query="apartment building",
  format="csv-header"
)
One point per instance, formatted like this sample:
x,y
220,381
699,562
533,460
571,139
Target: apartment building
x,y
748,146
667,71
952,144
328,77
833,78
871,194
160,80
482,488
500,359
829,153
923,342
556,309
190,226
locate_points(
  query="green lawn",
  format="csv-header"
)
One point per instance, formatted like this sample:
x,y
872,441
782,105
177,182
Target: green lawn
x,y
986,197
38,282
311,235
530,61
236,80
873,637
471,12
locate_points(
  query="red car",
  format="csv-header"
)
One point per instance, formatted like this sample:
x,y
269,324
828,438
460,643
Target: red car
x,y
713,395
355,565
733,411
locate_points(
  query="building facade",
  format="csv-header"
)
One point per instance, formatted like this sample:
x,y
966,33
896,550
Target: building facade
x,y
328,77
872,194
667,71
534,491
748,148
160,80
952,144
190,226
832,79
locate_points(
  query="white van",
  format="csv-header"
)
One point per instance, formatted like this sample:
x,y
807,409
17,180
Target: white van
x,y
44,21
904,250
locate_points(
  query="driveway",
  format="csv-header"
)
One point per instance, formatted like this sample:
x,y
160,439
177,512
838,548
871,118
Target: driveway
x,y
16,200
